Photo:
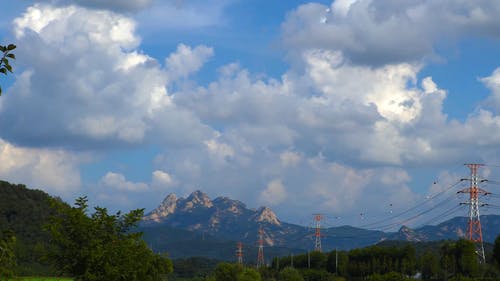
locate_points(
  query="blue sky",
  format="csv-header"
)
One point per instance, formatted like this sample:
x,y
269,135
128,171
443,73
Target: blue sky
x,y
343,108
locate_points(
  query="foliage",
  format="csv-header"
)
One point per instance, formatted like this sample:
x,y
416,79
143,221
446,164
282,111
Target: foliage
x,y
102,246
24,212
227,271
372,260
496,251
458,258
390,276
316,275
7,256
429,265
290,274
192,267
248,274
7,54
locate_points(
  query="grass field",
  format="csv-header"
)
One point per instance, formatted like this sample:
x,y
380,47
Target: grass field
x,y
42,279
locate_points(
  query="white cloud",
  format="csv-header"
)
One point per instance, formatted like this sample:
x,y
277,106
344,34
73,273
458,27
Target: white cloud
x,y
87,85
493,83
274,193
373,31
52,170
117,181
187,60
162,180
339,127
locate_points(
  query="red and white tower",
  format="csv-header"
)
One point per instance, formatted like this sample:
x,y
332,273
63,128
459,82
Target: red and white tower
x,y
317,233
474,231
239,253
260,253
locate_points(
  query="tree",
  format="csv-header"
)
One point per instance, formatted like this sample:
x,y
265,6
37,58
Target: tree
x,y
429,265
102,247
467,260
227,271
290,274
496,251
7,54
7,256
249,274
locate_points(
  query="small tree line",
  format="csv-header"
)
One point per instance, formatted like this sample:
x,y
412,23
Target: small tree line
x,y
446,260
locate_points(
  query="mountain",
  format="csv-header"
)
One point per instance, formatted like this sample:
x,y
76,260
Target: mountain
x,y
227,219
224,219
452,229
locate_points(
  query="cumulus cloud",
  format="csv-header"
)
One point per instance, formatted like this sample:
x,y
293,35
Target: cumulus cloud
x,y
187,60
274,193
162,179
52,170
86,85
339,127
117,181
372,32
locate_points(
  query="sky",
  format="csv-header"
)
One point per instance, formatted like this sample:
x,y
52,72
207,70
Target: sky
x,y
356,109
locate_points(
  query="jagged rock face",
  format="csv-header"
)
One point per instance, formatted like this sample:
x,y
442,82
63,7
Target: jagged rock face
x,y
409,234
222,216
227,205
195,200
264,214
166,208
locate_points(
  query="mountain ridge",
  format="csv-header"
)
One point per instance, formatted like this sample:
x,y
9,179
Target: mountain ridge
x,y
225,218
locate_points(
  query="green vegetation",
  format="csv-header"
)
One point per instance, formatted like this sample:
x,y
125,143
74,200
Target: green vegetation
x,y
7,255
43,236
102,247
6,54
24,212
445,260
42,279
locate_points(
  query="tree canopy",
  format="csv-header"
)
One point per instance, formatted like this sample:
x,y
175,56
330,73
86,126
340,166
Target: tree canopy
x,y
6,55
102,247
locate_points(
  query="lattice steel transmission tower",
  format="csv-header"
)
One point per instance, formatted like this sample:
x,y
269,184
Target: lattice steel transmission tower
x,y
317,233
260,253
474,231
239,253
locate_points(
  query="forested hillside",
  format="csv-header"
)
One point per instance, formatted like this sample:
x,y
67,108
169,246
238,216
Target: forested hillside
x,y
25,212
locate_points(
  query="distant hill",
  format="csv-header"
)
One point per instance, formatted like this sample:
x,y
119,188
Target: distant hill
x,y
224,219
25,211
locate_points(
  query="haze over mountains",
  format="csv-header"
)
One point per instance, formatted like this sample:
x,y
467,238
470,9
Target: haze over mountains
x,y
223,219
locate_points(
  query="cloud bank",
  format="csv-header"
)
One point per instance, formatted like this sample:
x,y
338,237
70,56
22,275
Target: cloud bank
x,y
338,130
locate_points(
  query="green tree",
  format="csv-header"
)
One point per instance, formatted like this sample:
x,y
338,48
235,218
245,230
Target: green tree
x,y
102,247
290,274
6,54
467,261
496,251
249,274
7,255
227,271
429,265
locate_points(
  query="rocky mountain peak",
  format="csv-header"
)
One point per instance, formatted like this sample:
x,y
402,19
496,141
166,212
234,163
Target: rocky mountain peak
x,y
167,207
197,199
265,214
230,205
409,234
